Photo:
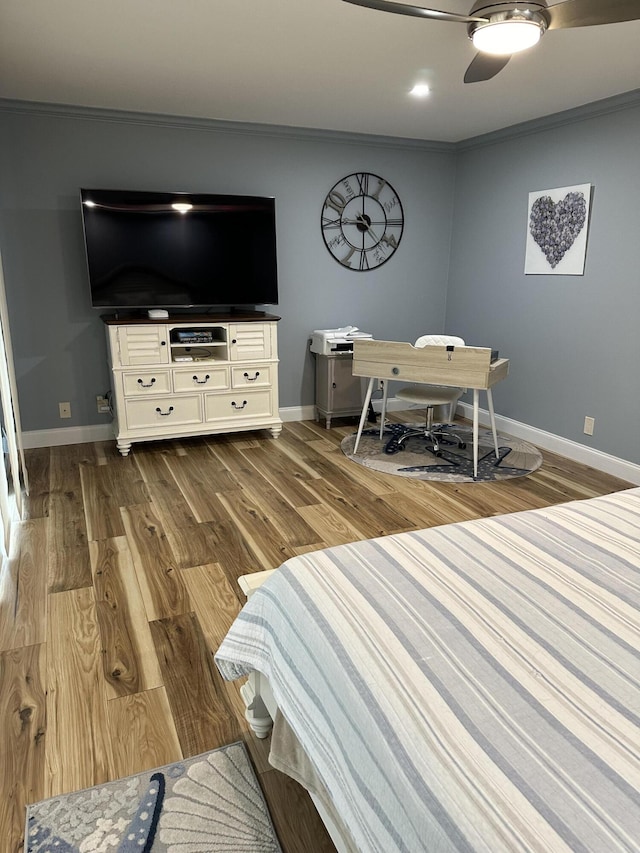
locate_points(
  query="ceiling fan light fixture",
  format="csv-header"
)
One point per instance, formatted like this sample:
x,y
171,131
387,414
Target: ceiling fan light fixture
x,y
507,36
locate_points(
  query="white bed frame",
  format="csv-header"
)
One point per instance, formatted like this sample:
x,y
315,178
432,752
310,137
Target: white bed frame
x,y
261,708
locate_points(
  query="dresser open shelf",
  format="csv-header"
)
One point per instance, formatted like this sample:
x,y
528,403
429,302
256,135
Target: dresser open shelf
x,y
199,343
193,375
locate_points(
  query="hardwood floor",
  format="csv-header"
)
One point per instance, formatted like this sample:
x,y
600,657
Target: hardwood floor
x,y
122,581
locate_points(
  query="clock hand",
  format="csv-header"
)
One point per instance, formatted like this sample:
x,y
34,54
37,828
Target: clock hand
x,y
361,220
368,227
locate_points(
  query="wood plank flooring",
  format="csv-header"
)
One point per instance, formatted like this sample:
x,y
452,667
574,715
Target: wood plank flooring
x,y
122,580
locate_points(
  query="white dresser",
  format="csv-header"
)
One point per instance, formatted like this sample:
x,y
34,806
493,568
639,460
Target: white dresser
x,y
193,374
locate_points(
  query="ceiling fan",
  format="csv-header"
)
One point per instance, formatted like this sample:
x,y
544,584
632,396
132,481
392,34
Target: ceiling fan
x,y
498,30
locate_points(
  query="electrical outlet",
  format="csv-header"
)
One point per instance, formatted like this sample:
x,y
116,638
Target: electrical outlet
x,y
102,404
65,410
380,385
589,424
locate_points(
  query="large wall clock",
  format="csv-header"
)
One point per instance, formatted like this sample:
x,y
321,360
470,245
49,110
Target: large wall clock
x,y
362,221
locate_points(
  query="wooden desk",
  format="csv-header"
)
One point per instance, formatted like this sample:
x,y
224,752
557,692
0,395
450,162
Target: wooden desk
x,y
458,367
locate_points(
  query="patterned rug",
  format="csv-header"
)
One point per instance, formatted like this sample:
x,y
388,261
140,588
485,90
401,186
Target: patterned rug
x,y
454,464
209,803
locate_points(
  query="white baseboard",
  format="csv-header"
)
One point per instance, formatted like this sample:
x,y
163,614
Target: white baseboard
x,y
298,413
104,432
562,446
308,413
545,440
67,435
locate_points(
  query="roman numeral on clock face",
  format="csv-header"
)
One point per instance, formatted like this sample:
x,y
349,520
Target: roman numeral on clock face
x,y
336,200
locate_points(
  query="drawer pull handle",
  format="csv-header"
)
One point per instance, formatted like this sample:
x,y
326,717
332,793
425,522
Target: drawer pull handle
x,y
252,378
395,371
147,384
164,414
201,381
236,406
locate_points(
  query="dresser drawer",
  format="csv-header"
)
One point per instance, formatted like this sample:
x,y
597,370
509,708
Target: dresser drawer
x,y
239,405
251,376
163,413
198,378
140,383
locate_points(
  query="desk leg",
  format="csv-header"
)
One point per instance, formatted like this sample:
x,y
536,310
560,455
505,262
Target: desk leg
x,y
365,412
476,394
493,421
383,416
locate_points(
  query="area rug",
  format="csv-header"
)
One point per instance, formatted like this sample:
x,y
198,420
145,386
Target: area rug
x,y
454,465
208,804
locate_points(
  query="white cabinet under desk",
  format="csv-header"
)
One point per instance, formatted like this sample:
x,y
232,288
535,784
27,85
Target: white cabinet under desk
x,y
193,374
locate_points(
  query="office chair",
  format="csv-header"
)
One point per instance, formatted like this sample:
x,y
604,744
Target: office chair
x,y
429,396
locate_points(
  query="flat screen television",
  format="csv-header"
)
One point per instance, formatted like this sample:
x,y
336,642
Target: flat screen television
x,y
179,250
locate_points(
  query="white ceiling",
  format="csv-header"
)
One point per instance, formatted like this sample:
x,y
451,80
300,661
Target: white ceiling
x,y
306,63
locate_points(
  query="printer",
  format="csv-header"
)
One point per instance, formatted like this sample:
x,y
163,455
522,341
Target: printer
x,y
335,341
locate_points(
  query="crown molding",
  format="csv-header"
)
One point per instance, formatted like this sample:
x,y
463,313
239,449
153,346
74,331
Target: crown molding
x,y
308,134
595,109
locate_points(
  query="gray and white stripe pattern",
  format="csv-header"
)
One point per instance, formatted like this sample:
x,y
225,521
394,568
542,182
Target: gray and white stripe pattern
x,y
472,687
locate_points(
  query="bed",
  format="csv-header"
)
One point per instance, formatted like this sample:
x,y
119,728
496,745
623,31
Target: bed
x,y
470,687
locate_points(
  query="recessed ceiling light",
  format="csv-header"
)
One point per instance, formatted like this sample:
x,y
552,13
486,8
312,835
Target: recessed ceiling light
x,y
420,90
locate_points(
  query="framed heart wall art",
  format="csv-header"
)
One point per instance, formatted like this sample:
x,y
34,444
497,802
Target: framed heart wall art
x,y
557,227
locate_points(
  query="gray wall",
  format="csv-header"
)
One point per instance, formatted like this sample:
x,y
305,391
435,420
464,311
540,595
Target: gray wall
x,y
46,155
573,341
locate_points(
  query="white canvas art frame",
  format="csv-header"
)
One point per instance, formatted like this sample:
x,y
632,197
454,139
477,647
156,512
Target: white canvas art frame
x,y
557,226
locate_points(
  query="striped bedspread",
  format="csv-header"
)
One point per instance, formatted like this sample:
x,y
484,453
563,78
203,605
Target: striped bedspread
x,y
471,687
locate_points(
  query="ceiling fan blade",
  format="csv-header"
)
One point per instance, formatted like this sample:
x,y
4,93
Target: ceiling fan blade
x,y
414,11
484,67
591,13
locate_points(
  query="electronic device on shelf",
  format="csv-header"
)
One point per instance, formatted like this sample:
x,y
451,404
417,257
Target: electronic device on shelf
x,y
333,341
159,250
193,336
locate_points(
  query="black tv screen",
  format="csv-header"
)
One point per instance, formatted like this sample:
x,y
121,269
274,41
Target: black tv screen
x,y
166,250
